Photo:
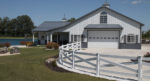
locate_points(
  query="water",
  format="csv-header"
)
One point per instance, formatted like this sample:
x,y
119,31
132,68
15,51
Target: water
x,y
14,41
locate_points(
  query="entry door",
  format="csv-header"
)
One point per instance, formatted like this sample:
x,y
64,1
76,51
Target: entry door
x,y
103,39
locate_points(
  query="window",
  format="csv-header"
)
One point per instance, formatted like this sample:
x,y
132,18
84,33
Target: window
x,y
90,37
75,38
131,38
103,17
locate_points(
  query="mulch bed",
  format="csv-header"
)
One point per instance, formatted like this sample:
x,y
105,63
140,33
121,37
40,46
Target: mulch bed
x,y
53,66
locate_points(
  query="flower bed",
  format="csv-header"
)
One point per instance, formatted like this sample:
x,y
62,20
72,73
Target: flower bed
x,y
52,45
27,43
23,42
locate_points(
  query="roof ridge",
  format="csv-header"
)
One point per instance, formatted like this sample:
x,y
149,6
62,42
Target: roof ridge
x,y
55,21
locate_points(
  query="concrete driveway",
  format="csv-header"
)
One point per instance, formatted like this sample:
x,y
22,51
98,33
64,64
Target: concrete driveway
x,y
124,52
120,52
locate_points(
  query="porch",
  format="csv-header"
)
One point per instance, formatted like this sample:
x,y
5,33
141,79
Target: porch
x,y
61,38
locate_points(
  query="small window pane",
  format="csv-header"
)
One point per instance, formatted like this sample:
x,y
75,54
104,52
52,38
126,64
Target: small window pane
x,y
130,38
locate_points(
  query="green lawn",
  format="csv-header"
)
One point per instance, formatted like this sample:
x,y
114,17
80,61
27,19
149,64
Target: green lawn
x,y
29,66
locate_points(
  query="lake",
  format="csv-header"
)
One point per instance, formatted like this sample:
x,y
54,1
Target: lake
x,y
14,41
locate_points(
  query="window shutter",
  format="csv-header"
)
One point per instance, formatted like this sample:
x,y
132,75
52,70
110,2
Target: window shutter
x,y
125,38
136,38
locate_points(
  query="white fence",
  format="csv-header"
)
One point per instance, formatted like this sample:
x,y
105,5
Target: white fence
x,y
97,64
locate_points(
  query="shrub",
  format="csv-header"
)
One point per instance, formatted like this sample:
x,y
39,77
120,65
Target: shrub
x,y
7,44
49,45
55,46
147,54
52,45
29,43
23,43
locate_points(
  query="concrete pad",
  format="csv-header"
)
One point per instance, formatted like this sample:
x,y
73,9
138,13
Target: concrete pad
x,y
120,52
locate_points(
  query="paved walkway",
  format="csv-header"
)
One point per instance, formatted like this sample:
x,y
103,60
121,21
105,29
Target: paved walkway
x,y
8,54
19,46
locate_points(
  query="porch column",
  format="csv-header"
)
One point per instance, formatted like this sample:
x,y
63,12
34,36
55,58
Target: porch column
x,y
73,38
51,37
69,37
47,38
33,38
80,38
57,37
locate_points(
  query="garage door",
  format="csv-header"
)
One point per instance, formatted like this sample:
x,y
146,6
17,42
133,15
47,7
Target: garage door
x,y
103,39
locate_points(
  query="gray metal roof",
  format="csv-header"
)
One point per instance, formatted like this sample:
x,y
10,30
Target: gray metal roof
x,y
45,28
103,26
50,25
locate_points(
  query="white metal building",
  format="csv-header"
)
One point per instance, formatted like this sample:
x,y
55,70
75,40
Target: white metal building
x,y
101,28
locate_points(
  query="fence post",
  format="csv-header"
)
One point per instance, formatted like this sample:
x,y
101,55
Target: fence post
x,y
73,59
140,68
67,47
98,64
80,45
61,56
72,47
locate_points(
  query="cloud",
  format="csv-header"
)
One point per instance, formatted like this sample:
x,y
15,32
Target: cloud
x,y
134,2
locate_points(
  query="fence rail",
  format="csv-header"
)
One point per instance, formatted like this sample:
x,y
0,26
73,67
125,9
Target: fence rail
x,y
69,56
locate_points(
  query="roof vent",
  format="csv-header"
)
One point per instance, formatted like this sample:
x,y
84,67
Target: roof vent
x,y
106,4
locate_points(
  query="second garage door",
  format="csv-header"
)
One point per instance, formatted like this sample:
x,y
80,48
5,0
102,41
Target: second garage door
x,y
103,39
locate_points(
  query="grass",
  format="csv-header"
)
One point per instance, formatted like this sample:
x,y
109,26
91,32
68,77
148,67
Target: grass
x,y
29,66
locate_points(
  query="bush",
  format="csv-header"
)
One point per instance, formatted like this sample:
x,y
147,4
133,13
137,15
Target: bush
x,y
23,43
49,45
55,46
147,54
7,44
52,45
29,43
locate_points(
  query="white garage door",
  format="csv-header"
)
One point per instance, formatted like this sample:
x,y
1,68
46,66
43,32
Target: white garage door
x,y
103,39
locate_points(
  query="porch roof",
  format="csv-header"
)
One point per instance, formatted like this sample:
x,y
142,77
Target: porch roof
x,y
50,25
103,26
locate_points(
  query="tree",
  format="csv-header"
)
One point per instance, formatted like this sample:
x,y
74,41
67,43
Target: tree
x,y
24,25
5,25
71,19
16,27
0,25
13,27
146,35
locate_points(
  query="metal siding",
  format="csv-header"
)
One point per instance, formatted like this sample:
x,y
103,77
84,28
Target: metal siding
x,y
129,27
79,27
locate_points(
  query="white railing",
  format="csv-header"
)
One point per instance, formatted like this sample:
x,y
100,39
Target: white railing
x,y
97,64
145,74
72,46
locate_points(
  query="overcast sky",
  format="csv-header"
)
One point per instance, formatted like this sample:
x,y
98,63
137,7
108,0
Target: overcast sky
x,y
53,10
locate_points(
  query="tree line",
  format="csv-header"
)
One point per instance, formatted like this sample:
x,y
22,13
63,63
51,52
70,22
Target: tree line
x,y
146,34
16,27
